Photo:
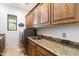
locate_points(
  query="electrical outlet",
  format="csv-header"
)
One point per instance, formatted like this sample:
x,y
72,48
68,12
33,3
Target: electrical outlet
x,y
64,35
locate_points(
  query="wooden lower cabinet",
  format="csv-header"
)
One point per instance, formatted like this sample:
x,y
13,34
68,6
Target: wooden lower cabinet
x,y
31,51
43,52
31,48
36,50
2,45
39,54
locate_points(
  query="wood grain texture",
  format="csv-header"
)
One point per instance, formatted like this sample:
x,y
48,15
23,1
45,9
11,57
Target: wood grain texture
x,y
45,13
2,45
36,50
63,11
53,14
31,48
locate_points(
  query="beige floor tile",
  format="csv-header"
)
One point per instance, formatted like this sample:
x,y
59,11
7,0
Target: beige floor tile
x,y
15,51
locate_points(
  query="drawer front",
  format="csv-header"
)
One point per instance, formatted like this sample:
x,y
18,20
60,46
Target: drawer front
x,y
44,52
31,43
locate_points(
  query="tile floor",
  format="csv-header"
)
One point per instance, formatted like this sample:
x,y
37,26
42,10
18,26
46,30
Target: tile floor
x,y
15,51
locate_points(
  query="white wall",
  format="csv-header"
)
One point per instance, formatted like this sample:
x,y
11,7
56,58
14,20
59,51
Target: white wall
x,y
71,30
12,37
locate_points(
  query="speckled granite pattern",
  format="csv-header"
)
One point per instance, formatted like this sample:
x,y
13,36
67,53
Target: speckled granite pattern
x,y
56,47
63,41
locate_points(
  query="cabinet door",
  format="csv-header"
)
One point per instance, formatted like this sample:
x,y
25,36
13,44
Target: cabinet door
x,y
27,21
31,48
30,19
39,54
29,51
70,10
36,16
63,11
43,52
45,13
33,51
2,45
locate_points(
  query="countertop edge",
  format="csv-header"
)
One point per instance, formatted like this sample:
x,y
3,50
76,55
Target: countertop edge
x,y
1,37
45,47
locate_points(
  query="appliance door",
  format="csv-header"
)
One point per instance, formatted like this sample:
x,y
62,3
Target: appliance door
x,y
30,32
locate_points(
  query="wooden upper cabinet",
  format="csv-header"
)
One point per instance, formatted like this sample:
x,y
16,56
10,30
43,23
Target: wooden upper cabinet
x,y
29,20
45,13
59,11
70,10
36,16
53,13
63,11
26,21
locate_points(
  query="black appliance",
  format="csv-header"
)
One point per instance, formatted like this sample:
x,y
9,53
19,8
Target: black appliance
x,y
28,32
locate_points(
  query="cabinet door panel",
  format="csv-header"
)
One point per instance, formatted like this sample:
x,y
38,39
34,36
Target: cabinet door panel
x,y
31,19
59,11
2,42
36,16
70,10
31,48
43,51
27,21
45,13
63,11
39,54
29,51
33,51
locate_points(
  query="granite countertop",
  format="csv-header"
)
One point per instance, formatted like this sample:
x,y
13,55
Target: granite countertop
x,y
1,36
57,48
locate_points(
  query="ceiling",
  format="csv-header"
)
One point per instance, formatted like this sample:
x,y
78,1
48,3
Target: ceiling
x,y
23,6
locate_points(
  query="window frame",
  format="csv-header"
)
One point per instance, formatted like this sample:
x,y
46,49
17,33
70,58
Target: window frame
x,y
10,22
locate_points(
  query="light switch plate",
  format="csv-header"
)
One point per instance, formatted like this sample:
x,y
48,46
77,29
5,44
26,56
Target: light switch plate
x,y
64,35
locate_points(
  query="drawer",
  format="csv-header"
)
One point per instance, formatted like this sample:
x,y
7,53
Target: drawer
x,y
44,52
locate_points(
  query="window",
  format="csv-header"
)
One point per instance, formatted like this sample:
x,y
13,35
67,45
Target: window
x,y
11,22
